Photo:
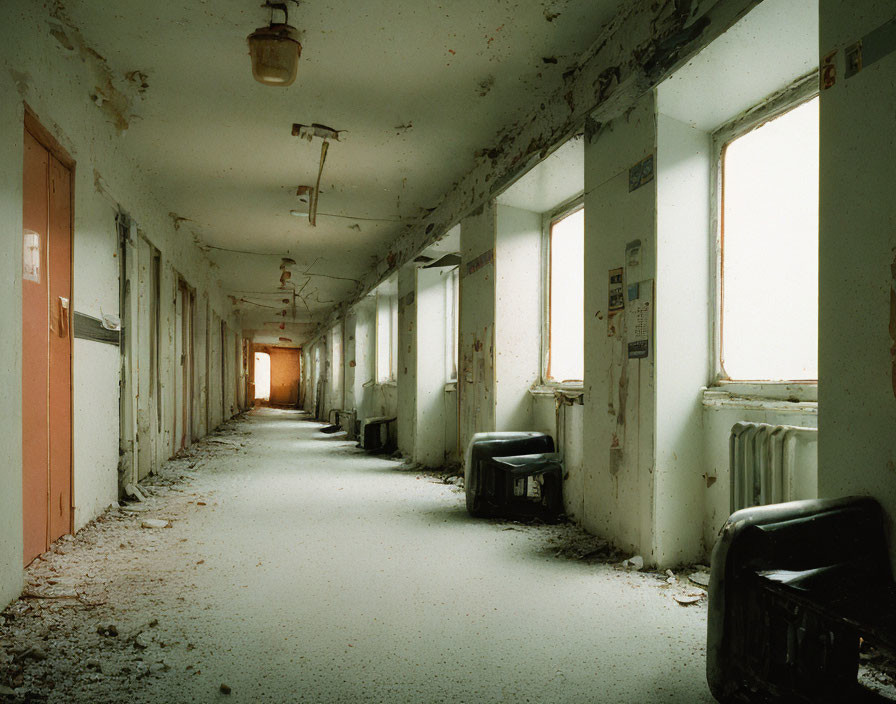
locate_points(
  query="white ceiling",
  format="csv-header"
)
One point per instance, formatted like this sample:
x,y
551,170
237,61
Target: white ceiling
x,y
552,182
776,43
418,88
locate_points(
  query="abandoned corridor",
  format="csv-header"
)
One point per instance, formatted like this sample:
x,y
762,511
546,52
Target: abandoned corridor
x,y
298,568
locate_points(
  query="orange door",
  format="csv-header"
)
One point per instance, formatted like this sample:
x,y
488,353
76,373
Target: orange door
x,y
35,346
60,407
46,349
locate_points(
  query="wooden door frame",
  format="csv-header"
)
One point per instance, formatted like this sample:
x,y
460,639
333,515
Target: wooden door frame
x,y
188,295
48,141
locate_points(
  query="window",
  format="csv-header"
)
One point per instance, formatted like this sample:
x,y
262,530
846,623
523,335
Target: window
x,y
565,354
386,337
768,327
452,321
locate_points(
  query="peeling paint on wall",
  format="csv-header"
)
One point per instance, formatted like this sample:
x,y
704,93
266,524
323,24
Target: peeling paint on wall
x,y
639,47
118,96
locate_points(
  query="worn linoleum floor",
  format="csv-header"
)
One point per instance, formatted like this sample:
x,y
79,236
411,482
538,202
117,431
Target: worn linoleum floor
x,y
298,569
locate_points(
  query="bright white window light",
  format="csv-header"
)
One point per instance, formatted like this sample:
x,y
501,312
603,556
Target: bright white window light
x,y
262,376
386,337
770,250
452,321
566,349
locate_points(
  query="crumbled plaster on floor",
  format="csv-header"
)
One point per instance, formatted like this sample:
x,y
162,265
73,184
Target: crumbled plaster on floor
x,y
123,613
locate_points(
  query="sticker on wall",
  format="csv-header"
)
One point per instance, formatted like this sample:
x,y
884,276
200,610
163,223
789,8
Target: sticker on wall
x,y
640,174
853,60
615,299
31,256
828,71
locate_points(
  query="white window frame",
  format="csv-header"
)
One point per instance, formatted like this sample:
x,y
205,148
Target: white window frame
x,y
799,92
391,301
548,219
452,319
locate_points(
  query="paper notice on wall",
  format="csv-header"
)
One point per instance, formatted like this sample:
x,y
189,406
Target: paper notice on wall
x,y
640,321
31,256
615,300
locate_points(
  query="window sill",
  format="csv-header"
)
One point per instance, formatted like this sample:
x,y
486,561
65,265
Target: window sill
x,y
570,393
731,396
794,391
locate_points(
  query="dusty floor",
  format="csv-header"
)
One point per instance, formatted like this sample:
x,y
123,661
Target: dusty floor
x,y
296,568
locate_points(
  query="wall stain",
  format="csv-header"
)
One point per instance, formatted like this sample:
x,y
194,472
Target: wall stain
x,y
22,81
117,96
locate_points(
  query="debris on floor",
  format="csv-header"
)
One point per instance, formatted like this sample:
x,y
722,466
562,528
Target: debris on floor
x,y
877,670
154,523
122,614
63,640
634,563
689,598
132,491
700,578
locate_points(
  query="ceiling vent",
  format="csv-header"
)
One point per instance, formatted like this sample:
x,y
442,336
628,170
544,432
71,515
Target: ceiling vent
x,y
275,50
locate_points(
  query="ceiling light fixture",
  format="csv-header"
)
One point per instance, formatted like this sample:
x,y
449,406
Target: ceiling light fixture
x,y
275,50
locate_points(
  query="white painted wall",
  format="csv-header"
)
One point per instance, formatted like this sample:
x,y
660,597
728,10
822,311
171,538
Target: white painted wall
x,y
362,393
336,368
349,360
408,356
476,359
518,279
684,309
11,155
57,85
619,413
857,265
433,412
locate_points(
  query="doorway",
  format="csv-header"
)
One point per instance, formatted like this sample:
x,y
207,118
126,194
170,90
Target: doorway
x,y
46,340
183,341
262,377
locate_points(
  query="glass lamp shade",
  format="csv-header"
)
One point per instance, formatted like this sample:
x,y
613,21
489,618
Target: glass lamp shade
x,y
275,52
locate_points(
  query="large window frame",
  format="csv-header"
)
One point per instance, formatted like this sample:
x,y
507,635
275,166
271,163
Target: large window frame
x,y
549,218
451,284
801,91
386,316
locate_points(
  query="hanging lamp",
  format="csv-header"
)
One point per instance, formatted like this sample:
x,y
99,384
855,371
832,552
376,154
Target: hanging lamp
x,y
275,50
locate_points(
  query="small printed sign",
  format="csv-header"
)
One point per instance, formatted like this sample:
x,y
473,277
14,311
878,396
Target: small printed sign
x,y
31,257
616,301
640,321
640,174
